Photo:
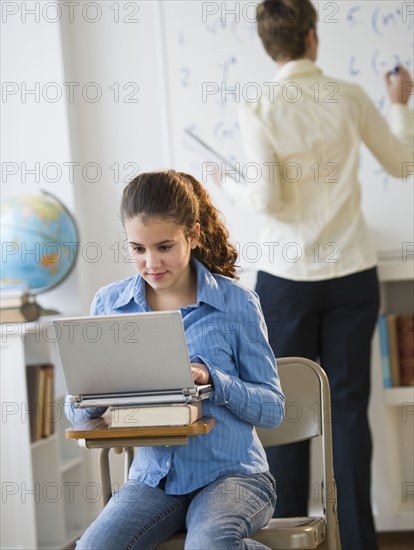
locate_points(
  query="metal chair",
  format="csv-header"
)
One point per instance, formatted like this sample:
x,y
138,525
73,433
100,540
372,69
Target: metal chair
x,y
308,415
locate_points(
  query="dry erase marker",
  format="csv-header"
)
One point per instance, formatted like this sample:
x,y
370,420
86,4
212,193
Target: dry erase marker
x,y
395,70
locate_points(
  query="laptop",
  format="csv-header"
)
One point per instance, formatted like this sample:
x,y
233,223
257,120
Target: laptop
x,y
131,359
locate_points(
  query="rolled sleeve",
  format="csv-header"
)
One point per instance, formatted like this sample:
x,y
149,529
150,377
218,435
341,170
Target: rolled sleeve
x,y
250,387
219,381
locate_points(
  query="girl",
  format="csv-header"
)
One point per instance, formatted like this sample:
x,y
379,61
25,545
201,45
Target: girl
x,y
218,486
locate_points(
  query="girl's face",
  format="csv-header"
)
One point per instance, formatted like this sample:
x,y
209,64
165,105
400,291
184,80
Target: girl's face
x,y
161,251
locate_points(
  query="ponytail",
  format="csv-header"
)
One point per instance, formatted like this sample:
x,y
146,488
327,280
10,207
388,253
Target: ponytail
x,y
214,249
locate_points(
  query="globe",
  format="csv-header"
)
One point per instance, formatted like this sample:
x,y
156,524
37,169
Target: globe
x,y
39,241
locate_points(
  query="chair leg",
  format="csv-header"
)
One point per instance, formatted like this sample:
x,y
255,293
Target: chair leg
x,y
105,474
129,457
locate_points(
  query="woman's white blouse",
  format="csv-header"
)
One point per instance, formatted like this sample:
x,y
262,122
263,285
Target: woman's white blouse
x,y
304,134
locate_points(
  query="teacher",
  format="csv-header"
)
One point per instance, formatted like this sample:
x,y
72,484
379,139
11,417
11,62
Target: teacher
x,y
317,277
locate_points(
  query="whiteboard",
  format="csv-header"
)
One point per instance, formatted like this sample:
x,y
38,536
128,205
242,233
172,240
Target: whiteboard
x,y
210,44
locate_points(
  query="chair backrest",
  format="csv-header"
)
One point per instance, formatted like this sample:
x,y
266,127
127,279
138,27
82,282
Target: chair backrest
x,y
307,415
301,384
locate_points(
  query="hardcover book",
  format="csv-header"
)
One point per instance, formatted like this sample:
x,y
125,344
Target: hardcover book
x,y
179,414
25,313
405,324
385,354
40,384
13,301
393,348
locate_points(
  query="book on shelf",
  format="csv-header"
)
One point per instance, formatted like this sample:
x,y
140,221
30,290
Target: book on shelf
x,y
13,290
29,311
33,376
393,349
396,334
40,384
13,301
405,324
385,352
179,414
13,295
48,410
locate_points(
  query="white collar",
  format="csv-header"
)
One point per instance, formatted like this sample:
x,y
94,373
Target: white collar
x,y
295,68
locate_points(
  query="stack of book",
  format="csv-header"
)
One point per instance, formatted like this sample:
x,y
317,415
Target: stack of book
x,y
17,305
397,349
177,414
41,408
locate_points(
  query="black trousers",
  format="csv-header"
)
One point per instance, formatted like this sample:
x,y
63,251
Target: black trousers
x,y
332,322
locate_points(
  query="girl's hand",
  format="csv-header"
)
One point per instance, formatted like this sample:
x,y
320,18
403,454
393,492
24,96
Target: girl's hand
x,y
201,374
399,85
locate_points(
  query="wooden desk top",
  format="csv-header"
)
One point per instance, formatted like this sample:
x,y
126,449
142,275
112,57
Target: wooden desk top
x,y
99,428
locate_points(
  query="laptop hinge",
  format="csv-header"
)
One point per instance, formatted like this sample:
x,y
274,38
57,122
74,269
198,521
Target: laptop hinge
x,y
87,396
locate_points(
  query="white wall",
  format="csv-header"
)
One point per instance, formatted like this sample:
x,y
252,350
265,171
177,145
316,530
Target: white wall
x,y
109,122
35,134
121,132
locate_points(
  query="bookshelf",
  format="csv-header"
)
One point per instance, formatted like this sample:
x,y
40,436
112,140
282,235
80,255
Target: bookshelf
x,y
392,414
44,482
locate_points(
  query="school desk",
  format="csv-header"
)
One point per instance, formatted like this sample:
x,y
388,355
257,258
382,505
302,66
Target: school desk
x,y
96,433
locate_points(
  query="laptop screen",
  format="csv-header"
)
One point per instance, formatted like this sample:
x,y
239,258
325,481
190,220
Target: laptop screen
x,y
124,353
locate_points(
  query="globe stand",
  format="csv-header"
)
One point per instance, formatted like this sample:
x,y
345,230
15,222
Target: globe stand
x,y
19,305
46,312
42,311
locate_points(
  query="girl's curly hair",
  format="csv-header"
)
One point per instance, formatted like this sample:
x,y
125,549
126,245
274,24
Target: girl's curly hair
x,y
181,198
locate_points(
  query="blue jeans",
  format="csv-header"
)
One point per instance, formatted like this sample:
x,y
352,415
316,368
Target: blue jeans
x,y
222,515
